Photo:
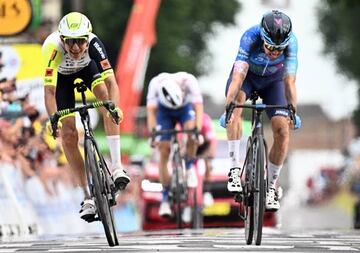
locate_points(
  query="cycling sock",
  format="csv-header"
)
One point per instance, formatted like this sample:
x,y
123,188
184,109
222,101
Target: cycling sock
x,y
274,172
234,153
189,162
114,146
165,193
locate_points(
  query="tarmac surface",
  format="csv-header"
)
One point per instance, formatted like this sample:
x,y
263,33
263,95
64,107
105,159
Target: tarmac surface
x,y
204,240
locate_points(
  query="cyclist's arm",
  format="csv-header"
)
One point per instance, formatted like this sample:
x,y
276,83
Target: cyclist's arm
x,y
290,89
52,58
50,101
98,53
199,109
238,76
151,117
151,104
113,88
195,98
291,64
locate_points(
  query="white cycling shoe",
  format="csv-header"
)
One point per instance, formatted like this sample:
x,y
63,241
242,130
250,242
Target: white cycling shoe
x,y
234,183
208,199
121,179
186,214
88,210
164,209
272,203
191,178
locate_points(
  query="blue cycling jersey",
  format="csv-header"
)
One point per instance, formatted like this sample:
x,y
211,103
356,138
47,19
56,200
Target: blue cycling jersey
x,y
251,51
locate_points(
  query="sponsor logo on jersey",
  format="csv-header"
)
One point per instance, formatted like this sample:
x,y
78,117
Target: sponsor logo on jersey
x,y
281,112
105,64
100,50
49,72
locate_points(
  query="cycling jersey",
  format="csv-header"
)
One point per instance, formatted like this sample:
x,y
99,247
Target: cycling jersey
x,y
207,129
187,83
251,51
57,60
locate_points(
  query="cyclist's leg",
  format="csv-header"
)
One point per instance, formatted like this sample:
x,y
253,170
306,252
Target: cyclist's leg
x,y
164,121
98,87
234,132
274,94
65,98
187,119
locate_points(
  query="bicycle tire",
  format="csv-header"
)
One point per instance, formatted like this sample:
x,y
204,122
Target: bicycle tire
x,y
94,163
177,166
197,217
259,187
247,195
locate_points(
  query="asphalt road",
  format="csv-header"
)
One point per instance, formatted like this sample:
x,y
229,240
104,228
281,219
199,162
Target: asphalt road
x,y
207,240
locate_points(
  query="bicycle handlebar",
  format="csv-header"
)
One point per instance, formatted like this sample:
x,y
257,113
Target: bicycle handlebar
x,y
109,105
259,107
174,132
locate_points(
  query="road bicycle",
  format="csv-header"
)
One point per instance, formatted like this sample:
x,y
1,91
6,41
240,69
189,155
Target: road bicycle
x,y
179,191
252,199
101,185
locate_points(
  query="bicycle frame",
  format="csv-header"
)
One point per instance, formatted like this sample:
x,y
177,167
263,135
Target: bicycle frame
x,y
178,185
255,168
100,183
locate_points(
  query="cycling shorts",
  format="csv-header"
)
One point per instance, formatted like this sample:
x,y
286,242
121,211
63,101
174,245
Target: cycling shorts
x,y
65,88
270,88
167,118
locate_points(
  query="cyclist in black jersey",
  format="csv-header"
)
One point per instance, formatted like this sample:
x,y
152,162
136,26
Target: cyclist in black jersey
x,y
75,52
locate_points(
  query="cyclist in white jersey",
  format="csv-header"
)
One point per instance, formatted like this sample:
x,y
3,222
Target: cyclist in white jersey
x,y
171,99
75,52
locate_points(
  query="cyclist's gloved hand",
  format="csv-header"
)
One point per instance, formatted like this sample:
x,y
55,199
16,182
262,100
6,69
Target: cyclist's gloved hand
x,y
228,112
152,141
119,113
222,120
49,128
297,123
195,135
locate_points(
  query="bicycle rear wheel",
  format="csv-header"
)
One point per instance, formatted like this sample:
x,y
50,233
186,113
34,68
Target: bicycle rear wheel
x,y
100,190
259,189
197,217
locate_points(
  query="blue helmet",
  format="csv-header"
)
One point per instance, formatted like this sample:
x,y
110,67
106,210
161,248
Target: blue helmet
x,y
275,28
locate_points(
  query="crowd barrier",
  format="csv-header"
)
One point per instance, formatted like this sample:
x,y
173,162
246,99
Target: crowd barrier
x,y
27,210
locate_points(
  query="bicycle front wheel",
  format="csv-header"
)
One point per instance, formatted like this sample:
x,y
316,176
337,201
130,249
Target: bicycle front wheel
x,y
100,190
259,189
248,194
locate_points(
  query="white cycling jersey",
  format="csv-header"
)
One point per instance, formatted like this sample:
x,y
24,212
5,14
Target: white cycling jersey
x,y
187,82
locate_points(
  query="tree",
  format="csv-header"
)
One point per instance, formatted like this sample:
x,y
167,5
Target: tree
x,y
338,23
183,28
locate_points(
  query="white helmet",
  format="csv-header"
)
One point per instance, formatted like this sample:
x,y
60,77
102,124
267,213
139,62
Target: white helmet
x,y
170,94
75,25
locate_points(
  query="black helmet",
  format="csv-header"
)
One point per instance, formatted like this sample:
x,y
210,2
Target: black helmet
x,y
275,28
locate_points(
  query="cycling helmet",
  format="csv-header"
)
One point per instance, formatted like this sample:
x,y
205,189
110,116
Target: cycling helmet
x,y
275,28
75,25
170,94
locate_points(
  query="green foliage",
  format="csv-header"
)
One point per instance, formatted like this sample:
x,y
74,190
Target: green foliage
x,y
182,30
338,23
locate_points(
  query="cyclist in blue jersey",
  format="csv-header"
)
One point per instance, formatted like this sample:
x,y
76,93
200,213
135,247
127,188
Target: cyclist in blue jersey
x,y
266,63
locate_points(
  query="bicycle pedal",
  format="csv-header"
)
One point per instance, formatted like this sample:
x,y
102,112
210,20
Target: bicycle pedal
x,y
90,218
238,198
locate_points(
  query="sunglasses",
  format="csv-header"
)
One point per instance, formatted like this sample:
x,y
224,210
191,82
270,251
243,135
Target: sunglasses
x,y
72,41
273,48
